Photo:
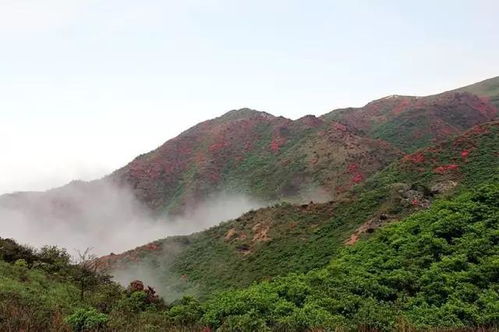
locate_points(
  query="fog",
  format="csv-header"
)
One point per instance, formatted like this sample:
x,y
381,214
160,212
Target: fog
x,y
104,217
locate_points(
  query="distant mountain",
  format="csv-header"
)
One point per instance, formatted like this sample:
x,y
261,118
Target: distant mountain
x,y
273,158
410,123
258,154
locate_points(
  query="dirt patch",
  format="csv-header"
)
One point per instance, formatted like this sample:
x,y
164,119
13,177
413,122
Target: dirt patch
x,y
368,227
443,187
261,232
230,234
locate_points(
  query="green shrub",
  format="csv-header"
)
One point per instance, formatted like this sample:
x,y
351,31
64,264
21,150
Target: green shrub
x,y
87,319
187,311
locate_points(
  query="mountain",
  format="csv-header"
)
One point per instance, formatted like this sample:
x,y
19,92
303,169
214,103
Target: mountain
x,y
273,158
487,89
285,238
267,157
436,270
402,234
410,123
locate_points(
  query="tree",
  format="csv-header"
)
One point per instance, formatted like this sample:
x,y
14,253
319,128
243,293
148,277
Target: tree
x,y
86,271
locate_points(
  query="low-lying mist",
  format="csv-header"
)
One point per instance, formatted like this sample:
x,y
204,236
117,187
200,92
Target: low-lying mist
x,y
104,217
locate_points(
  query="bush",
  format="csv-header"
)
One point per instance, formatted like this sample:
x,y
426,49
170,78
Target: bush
x,y
186,311
86,320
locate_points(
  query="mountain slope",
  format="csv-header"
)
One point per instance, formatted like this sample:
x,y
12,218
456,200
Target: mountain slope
x,y
488,88
277,240
244,152
436,270
414,122
255,153
274,158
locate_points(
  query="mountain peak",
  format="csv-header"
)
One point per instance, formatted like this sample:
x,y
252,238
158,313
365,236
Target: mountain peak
x,y
243,113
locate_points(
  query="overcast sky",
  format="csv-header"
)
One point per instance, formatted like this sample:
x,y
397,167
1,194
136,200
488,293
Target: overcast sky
x,y
85,86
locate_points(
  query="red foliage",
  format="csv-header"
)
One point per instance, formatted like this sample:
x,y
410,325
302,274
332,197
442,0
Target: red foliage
x,y
214,177
358,178
357,175
276,143
217,146
339,126
402,106
352,168
445,168
478,130
416,158
152,246
465,153
482,105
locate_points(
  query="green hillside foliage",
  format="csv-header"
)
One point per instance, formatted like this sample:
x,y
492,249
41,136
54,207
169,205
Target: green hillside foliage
x,y
437,268
408,239
287,238
41,290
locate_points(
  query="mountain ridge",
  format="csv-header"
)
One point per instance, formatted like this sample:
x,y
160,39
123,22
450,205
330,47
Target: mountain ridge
x,y
244,148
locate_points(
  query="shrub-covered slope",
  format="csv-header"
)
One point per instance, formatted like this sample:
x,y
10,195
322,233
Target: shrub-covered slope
x,y
435,269
411,123
486,89
255,153
274,241
41,290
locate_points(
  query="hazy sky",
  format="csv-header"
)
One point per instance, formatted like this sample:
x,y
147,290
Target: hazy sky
x,y
87,85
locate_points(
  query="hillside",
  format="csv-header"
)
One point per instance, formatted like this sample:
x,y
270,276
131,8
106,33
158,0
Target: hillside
x,y
488,89
243,152
410,123
267,157
379,218
273,158
435,270
276,240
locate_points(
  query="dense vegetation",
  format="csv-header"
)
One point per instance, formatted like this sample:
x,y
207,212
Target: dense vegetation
x,y
410,242
41,290
437,268
286,238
